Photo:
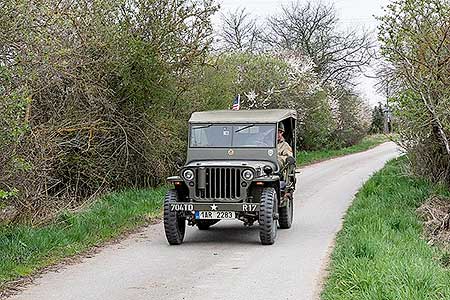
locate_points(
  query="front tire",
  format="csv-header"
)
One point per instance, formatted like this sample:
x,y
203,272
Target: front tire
x,y
267,223
174,223
286,214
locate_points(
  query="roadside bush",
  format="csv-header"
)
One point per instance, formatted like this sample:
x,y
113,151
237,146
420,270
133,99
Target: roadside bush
x,y
91,90
416,45
425,150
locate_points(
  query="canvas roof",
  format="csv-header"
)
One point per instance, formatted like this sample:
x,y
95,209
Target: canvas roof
x,y
243,116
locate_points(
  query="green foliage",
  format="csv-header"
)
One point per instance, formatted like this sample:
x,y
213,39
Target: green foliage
x,y
380,253
13,107
217,83
318,124
377,125
351,127
13,127
7,194
264,75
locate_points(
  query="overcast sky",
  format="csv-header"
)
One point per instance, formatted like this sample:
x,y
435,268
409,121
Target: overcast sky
x,y
352,13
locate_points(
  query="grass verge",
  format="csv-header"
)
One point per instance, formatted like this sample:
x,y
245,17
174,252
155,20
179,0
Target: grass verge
x,y
25,249
380,252
309,157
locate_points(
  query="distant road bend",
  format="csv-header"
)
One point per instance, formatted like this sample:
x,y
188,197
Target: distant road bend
x,y
226,262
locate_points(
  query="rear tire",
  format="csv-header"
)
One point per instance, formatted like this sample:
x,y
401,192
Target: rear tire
x,y
174,223
205,224
286,214
267,223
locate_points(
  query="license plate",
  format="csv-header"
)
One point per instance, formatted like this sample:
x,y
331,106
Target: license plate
x,y
199,215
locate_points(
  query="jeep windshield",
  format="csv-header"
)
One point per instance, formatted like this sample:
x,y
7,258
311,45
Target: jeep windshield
x,y
232,136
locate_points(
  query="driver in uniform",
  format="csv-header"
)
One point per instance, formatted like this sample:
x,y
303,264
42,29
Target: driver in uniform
x,y
283,148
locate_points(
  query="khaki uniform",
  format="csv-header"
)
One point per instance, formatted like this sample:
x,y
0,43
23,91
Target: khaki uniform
x,y
284,150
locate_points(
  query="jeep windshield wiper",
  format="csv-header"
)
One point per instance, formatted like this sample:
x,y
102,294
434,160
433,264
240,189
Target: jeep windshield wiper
x,y
243,128
201,127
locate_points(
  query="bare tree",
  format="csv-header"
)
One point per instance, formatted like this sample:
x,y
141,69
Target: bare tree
x,y
239,31
311,28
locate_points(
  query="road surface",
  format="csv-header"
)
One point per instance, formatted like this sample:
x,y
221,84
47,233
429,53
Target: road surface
x,y
226,262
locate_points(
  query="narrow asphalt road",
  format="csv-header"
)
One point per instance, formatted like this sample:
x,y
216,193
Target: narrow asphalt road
x,y
226,262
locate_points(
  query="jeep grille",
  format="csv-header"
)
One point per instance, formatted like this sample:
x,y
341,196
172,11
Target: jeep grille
x,y
220,183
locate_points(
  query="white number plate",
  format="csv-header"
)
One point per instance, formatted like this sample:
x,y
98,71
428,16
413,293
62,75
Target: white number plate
x,y
215,215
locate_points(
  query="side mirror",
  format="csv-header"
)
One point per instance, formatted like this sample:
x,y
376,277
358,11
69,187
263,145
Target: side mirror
x,y
290,161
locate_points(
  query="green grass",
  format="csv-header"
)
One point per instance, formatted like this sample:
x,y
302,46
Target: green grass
x,y
25,249
380,253
309,157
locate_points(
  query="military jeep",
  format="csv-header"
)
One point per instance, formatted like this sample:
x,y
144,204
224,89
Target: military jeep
x,y
232,172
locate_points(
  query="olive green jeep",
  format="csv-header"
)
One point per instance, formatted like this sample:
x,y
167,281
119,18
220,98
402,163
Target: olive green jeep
x,y
232,171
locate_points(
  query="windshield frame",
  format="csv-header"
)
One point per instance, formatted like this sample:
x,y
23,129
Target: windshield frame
x,y
231,125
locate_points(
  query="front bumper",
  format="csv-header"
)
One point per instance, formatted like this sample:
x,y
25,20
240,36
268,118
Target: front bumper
x,y
190,206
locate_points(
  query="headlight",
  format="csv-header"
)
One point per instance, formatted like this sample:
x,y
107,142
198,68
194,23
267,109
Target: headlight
x,y
188,175
247,175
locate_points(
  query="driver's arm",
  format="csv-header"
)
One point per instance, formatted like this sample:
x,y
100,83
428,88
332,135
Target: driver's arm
x,y
284,150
